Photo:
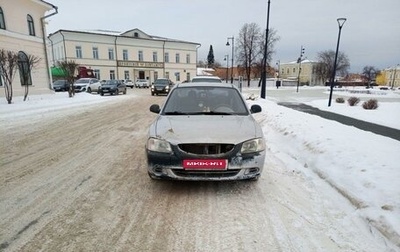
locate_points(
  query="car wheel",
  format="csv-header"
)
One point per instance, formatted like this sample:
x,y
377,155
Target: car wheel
x,y
89,90
116,92
101,93
152,93
124,92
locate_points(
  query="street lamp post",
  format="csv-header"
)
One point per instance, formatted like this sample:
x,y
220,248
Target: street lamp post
x,y
341,22
227,67
264,70
278,83
299,62
233,46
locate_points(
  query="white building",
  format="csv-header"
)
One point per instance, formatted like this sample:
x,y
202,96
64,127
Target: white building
x,y
129,55
22,30
304,72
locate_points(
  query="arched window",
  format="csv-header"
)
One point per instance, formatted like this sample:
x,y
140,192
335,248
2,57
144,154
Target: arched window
x,y
31,25
2,22
24,69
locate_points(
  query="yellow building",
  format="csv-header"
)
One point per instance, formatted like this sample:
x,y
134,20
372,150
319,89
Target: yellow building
x,y
22,30
128,55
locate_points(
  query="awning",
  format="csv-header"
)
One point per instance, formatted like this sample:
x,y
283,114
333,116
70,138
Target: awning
x,y
58,72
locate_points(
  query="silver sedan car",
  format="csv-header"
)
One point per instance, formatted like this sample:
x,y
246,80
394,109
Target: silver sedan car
x,y
205,131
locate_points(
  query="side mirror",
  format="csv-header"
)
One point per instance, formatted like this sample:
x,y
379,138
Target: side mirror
x,y
155,108
255,109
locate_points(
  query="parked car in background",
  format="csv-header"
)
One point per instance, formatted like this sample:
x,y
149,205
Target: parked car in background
x,y
161,86
129,83
113,87
142,83
205,131
206,78
87,84
60,85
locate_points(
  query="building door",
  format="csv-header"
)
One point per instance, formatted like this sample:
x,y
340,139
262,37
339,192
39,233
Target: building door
x,y
141,75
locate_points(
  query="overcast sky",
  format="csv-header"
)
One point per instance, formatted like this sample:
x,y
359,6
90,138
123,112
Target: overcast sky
x,y
370,36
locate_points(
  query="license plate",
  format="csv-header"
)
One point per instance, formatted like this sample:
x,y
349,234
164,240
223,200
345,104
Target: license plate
x,y
205,164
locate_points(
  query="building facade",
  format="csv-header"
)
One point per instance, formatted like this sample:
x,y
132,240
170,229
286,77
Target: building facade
x,y
304,72
22,30
129,55
392,76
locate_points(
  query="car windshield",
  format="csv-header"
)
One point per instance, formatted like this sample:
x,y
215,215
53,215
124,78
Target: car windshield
x,y
111,82
161,82
59,82
205,101
206,80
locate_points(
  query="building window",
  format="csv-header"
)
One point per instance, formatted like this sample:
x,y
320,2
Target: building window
x,y
155,75
125,54
24,69
167,75
136,35
112,75
140,55
126,75
294,69
177,58
110,53
96,73
2,22
155,57
178,76
188,76
78,51
188,58
31,25
95,53
166,57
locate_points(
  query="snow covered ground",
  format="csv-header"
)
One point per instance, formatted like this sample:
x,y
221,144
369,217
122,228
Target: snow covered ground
x,y
360,165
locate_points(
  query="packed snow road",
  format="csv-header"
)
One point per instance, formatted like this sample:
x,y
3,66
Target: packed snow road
x,y
79,183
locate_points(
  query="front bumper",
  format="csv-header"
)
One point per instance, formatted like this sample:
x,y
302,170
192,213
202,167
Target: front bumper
x,y
239,167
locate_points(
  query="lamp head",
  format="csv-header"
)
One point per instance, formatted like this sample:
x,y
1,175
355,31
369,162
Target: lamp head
x,y
227,43
341,21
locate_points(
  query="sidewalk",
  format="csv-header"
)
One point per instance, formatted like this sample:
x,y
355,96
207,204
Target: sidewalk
x,y
363,125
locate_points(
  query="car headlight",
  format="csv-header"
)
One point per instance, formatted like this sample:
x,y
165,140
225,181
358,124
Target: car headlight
x,y
154,144
254,145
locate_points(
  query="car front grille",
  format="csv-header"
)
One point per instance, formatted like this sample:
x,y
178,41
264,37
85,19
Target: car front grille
x,y
206,149
206,174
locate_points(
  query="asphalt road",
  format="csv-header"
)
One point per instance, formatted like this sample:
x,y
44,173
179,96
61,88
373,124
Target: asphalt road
x,y
363,125
79,183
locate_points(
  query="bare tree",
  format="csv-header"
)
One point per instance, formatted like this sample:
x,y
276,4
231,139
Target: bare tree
x,y
247,48
25,64
69,67
326,59
8,67
370,73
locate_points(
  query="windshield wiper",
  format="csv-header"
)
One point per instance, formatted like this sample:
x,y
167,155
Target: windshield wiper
x,y
211,113
176,113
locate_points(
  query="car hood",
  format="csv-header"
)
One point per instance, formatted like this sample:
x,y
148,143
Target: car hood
x,y
206,129
81,84
109,85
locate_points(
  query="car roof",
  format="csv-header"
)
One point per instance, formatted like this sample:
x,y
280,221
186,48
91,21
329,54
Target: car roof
x,y
206,77
205,84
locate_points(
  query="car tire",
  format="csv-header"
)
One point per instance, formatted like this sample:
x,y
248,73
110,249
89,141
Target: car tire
x,y
101,93
124,92
89,90
152,93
